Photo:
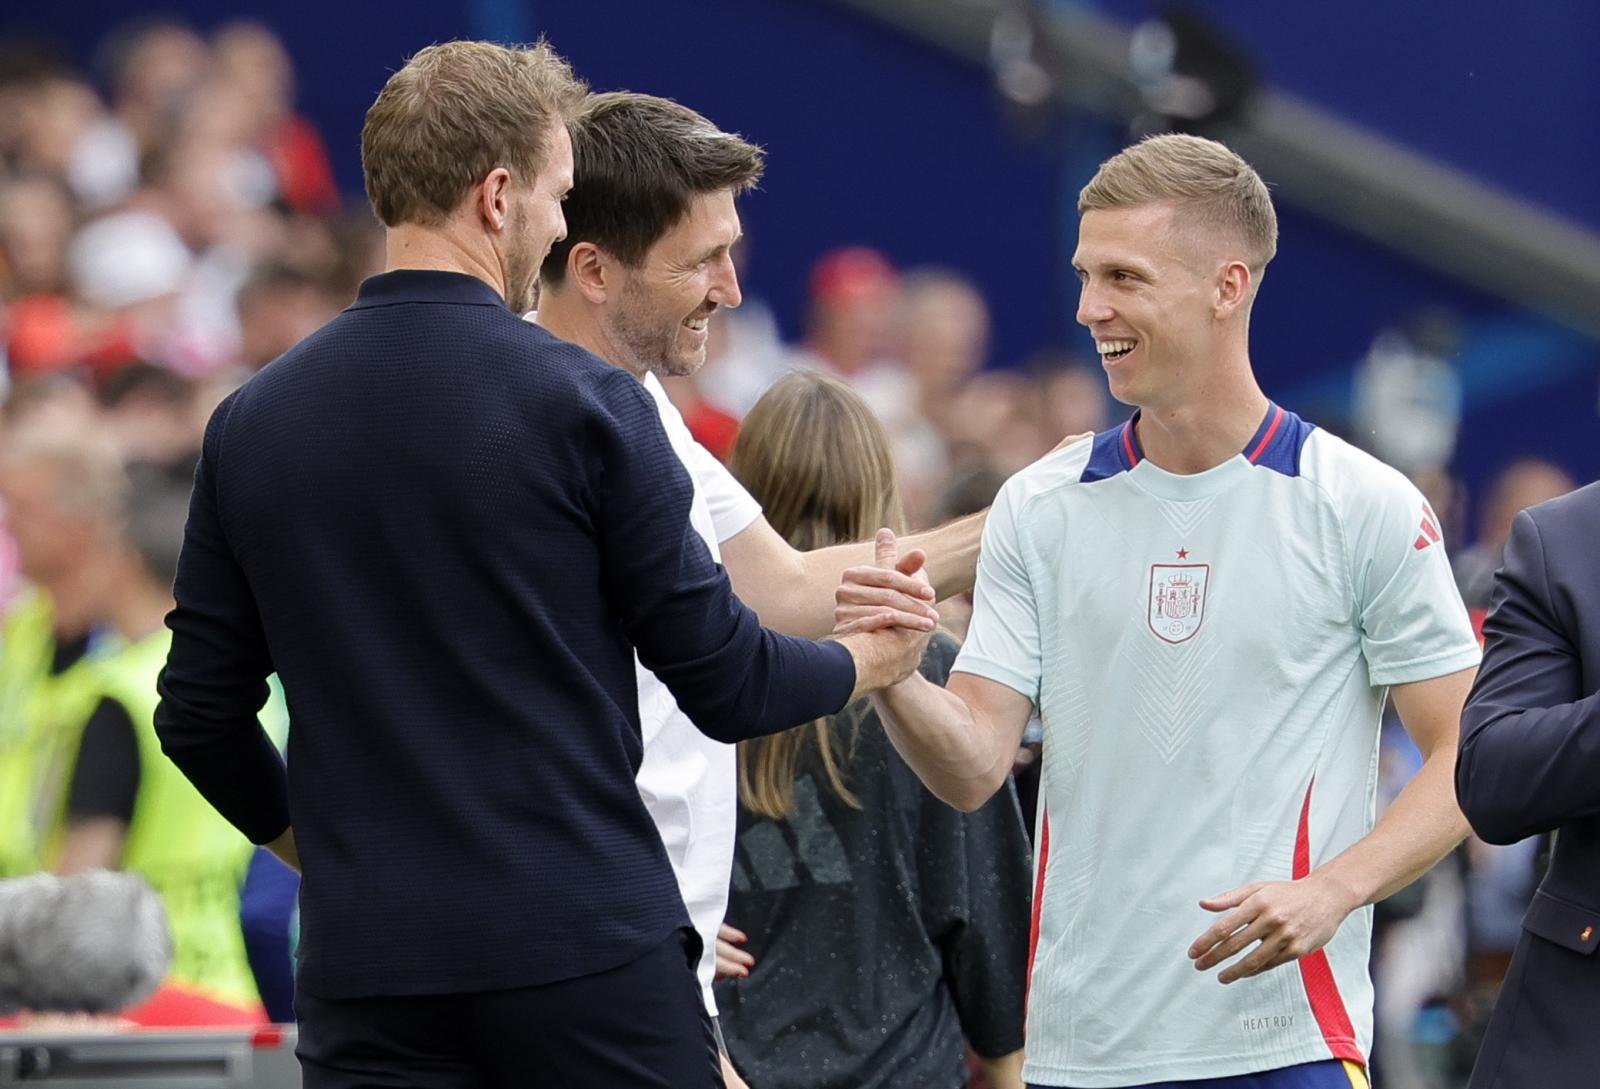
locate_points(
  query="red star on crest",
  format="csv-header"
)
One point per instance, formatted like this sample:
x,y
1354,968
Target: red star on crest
x,y
1183,553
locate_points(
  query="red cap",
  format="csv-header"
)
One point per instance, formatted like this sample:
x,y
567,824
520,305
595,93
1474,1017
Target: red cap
x,y
849,273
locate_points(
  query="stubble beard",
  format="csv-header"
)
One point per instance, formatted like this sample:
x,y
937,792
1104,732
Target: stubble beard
x,y
650,343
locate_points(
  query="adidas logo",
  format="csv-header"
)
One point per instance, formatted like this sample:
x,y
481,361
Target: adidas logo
x,y
1430,530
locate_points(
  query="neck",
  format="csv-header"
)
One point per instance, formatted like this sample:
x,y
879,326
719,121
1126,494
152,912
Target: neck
x,y
564,313
1204,426
442,249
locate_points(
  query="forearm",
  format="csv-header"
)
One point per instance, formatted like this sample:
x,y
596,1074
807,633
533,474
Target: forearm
x,y
952,553
1420,827
234,766
803,604
954,750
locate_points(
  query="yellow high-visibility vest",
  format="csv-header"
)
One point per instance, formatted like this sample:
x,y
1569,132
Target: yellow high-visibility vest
x,y
187,851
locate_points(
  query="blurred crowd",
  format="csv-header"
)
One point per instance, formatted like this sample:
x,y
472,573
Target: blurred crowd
x,y
168,224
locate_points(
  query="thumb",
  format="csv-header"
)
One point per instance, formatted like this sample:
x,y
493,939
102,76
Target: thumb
x,y
911,562
884,548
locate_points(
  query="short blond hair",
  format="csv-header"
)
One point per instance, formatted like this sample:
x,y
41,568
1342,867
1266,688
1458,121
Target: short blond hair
x,y
1204,178
455,112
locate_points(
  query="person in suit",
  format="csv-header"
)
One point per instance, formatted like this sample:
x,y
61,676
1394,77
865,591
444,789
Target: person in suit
x,y
1529,764
448,532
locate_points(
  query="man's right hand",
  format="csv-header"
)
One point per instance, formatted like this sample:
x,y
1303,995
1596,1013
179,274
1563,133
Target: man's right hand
x,y
886,655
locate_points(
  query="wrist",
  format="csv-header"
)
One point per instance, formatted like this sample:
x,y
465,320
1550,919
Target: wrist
x,y
1342,888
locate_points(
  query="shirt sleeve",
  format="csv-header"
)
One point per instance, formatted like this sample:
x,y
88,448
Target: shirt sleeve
x,y
732,508
732,677
1413,624
105,779
1003,641
215,680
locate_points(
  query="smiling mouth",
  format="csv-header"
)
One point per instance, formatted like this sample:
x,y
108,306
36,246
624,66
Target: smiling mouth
x,y
1113,350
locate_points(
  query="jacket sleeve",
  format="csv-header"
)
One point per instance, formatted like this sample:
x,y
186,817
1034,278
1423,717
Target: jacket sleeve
x,y
215,680
732,677
1530,738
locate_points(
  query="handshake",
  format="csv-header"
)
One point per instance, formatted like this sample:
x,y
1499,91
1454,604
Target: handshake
x,y
883,612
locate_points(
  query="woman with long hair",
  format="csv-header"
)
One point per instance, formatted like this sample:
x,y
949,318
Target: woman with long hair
x,y
884,927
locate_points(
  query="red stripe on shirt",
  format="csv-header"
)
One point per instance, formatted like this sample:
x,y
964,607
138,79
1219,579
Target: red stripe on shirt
x,y
1272,429
1127,444
1038,903
1322,990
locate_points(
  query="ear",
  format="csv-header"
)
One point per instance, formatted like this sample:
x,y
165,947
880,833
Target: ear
x,y
1233,288
493,202
592,271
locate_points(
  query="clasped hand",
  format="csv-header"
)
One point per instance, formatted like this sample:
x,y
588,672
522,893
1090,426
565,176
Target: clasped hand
x,y
890,599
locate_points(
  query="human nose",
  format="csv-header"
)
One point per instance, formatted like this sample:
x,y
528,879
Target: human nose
x,y
1092,307
725,288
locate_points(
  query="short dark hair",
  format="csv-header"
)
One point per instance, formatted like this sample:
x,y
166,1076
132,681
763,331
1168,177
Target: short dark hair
x,y
455,112
637,161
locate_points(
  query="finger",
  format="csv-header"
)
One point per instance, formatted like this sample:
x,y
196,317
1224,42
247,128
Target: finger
x,y
1221,930
882,619
1232,898
732,955
883,578
730,933
873,597
1268,956
1237,943
884,547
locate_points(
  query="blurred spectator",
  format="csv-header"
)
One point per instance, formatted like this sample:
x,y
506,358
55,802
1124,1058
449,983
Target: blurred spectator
x,y
36,223
1518,486
279,306
852,323
65,498
970,489
944,336
944,340
153,417
923,908
128,806
250,58
995,420
1073,395
150,67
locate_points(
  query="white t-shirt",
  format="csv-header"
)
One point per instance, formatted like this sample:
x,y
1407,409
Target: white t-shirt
x,y
1209,655
688,781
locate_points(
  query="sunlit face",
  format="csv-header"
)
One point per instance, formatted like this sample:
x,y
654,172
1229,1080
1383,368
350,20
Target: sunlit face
x,y
537,223
1148,296
659,314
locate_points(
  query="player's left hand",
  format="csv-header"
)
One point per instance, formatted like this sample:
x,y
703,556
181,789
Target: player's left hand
x,y
1289,920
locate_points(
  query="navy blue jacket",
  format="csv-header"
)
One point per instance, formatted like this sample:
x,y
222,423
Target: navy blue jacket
x,y
447,531
1529,764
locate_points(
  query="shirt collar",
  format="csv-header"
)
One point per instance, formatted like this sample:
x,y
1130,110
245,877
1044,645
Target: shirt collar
x,y
1132,451
414,285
